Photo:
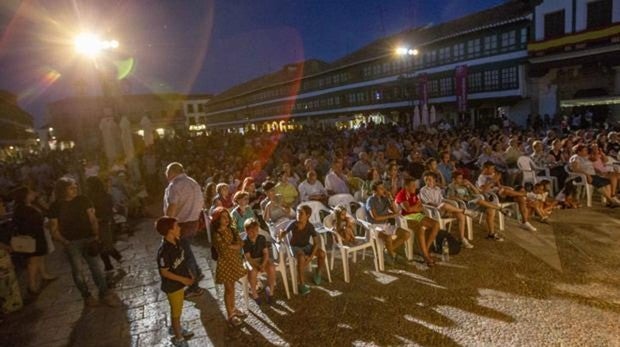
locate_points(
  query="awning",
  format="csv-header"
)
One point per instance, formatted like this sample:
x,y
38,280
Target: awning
x,y
597,101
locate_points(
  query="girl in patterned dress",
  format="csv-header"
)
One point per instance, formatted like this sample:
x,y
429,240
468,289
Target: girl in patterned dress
x,y
230,268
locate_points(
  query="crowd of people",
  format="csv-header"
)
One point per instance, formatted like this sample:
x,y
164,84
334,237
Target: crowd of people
x,y
247,182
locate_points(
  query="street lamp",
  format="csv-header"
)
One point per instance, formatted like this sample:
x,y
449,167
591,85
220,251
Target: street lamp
x,y
91,45
402,51
406,52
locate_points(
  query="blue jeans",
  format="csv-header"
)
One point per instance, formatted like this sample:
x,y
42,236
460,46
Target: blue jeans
x,y
188,231
75,251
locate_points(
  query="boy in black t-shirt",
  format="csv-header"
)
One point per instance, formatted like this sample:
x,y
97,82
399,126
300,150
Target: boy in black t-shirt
x,y
302,231
175,275
256,253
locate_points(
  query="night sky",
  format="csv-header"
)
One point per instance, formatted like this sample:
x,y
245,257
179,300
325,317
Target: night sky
x,y
191,46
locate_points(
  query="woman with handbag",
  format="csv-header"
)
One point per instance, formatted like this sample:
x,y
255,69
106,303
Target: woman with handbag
x,y
29,221
74,224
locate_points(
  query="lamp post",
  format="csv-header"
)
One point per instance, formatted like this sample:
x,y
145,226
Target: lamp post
x,y
407,53
92,47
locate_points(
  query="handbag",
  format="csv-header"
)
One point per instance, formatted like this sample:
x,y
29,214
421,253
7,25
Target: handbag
x,y
23,244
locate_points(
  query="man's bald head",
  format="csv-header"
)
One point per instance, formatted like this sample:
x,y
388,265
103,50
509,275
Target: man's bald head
x,y
173,170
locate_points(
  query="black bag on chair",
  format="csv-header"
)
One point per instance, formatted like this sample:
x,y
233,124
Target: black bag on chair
x,y
453,243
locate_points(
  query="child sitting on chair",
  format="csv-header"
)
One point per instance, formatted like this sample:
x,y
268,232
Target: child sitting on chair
x,y
536,202
344,225
256,253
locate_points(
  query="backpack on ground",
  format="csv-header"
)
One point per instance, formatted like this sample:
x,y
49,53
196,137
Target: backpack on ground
x,y
453,243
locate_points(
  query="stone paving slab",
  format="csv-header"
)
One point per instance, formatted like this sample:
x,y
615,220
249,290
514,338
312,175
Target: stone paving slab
x,y
559,286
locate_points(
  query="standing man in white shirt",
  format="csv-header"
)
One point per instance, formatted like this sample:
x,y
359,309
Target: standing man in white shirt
x,y
183,200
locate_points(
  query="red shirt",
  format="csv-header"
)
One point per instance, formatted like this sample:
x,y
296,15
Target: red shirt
x,y
402,196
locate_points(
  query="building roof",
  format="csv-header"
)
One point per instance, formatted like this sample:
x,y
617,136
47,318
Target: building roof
x,y
15,123
289,72
10,110
422,36
128,97
507,12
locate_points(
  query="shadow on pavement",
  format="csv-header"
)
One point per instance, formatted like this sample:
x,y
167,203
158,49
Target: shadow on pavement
x,y
101,326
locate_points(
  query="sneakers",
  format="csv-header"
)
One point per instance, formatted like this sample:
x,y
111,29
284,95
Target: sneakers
x,y
317,277
466,243
528,226
495,237
179,342
304,290
187,334
471,213
111,299
612,204
90,301
192,293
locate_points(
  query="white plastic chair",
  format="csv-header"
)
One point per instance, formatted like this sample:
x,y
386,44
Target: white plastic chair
x,y
401,222
528,171
434,213
315,218
580,180
280,259
292,260
365,242
468,220
207,219
341,199
500,216
375,229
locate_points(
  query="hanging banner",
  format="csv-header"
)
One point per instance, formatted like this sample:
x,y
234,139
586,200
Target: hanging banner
x,y
460,75
423,89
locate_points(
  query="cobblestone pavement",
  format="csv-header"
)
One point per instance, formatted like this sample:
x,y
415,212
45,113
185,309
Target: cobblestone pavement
x,y
559,286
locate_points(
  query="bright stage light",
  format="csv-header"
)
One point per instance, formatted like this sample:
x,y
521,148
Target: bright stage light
x,y
401,50
88,44
91,45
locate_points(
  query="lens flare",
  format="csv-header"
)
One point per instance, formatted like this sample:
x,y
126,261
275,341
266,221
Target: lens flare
x,y
40,86
88,44
124,68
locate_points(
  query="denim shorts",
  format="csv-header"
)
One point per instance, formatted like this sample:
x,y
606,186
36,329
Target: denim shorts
x,y
599,182
307,249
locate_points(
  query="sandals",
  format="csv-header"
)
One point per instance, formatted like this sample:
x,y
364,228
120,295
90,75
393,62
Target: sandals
x,y
240,314
429,261
258,300
234,321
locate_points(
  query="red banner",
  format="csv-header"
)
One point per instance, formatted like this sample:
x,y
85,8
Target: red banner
x,y
423,89
460,75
